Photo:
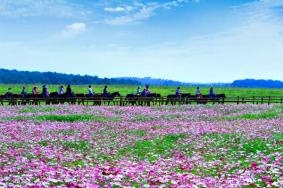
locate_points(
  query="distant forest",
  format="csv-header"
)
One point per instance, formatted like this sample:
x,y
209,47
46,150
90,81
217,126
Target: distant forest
x,y
27,77
251,83
156,81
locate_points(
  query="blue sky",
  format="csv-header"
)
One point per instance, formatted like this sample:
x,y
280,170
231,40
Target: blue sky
x,y
186,40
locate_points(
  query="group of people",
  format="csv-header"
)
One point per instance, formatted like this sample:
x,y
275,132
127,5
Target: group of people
x,y
35,91
45,93
69,93
178,92
197,92
105,93
145,92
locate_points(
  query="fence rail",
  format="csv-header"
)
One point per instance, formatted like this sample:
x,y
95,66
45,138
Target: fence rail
x,y
122,101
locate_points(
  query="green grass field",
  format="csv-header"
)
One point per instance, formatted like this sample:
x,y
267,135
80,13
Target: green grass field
x,y
163,90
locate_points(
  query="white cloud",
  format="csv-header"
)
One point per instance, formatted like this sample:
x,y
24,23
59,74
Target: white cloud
x,y
74,30
143,12
117,12
119,9
175,3
140,11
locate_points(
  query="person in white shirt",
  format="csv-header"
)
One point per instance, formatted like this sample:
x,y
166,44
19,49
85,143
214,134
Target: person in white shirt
x,y
90,92
138,90
61,90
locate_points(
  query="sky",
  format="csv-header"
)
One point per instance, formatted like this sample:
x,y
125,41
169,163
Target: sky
x,y
186,40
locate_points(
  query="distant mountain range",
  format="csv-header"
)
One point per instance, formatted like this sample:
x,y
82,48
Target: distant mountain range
x,y
28,77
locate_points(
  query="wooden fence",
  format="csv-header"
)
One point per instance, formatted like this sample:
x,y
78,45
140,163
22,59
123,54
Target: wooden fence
x,y
122,101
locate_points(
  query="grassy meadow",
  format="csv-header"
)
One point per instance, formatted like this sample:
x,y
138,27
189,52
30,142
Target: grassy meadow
x,y
163,90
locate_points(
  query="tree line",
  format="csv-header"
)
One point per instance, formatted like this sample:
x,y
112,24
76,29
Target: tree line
x,y
252,83
27,77
33,77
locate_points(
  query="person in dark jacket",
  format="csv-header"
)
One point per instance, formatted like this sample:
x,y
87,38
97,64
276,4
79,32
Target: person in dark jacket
x,y
105,92
69,92
45,92
145,91
9,93
211,93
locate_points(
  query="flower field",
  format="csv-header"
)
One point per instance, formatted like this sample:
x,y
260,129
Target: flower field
x,y
161,146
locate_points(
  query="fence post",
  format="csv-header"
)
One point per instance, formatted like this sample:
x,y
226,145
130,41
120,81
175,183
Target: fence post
x,y
121,101
261,100
269,99
281,102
